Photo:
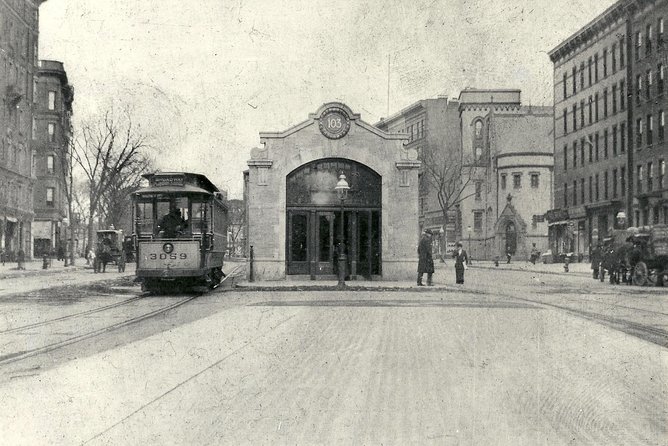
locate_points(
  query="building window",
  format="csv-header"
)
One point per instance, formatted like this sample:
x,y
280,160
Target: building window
x,y
596,67
650,177
582,190
614,183
622,181
596,186
589,109
565,121
638,44
565,157
638,88
582,151
622,59
517,180
650,129
596,146
622,137
49,164
51,128
662,126
575,154
614,57
659,77
503,181
565,195
605,103
477,221
478,190
534,180
582,113
638,132
565,81
614,140
622,95
648,87
605,143
640,176
662,172
605,63
659,35
575,117
596,106
574,83
49,196
591,189
614,99
582,76
575,193
52,100
648,40
33,129
589,65
591,149
605,185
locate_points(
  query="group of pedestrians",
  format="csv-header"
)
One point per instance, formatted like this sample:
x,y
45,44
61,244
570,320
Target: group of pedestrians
x,y
426,261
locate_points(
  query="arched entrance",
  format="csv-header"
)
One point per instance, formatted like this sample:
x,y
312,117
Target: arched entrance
x,y
314,219
511,238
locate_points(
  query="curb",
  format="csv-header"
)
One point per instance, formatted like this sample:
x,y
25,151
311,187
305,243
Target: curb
x,y
555,273
41,272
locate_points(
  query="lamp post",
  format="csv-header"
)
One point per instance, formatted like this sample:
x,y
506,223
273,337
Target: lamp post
x,y
468,258
66,223
342,192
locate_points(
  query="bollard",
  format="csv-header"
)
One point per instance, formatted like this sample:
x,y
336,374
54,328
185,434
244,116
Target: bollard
x,y
496,261
45,262
566,260
251,275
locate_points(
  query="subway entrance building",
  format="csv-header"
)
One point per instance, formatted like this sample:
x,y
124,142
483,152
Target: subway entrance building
x,y
296,219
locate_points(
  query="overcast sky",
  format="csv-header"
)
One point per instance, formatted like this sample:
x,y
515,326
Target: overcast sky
x,y
206,76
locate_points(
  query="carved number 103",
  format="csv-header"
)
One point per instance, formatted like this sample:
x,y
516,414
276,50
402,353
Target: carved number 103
x,y
334,122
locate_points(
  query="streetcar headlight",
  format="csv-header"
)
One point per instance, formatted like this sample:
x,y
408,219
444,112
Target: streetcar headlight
x,y
168,248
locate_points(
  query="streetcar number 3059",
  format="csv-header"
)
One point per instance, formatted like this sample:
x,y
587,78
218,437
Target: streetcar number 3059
x,y
164,256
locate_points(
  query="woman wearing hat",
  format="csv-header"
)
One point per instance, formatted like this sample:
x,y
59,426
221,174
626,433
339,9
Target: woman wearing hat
x,y
461,259
425,260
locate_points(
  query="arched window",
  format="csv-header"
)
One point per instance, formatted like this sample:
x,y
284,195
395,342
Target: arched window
x,y
478,128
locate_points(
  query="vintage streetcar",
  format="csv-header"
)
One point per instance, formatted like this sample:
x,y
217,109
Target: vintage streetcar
x,y
180,232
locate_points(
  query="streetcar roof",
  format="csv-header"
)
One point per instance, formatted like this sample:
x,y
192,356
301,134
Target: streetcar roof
x,y
178,180
177,190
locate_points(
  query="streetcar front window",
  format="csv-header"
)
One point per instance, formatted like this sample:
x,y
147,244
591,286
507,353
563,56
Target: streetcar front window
x,y
171,215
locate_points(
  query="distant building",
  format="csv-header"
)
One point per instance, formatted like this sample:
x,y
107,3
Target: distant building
x,y
51,130
432,127
509,152
19,25
609,104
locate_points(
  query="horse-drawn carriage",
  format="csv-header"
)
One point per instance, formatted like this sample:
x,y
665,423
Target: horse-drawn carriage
x,y
649,256
613,257
109,249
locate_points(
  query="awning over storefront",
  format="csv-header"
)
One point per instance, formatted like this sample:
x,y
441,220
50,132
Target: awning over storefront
x,y
558,223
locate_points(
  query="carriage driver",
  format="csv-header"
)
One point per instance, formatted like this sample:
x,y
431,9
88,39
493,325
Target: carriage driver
x,y
172,223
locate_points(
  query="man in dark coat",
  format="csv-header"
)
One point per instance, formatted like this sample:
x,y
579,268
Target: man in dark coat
x,y
425,260
461,260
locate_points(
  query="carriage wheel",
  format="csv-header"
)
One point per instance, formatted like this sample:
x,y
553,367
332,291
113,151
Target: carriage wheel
x,y
640,274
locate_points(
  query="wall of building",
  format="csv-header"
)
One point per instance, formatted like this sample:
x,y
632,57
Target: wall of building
x,y
284,152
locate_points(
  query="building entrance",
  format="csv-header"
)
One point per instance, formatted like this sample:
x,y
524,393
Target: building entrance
x,y
314,220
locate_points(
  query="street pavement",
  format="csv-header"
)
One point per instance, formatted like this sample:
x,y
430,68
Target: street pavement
x,y
535,357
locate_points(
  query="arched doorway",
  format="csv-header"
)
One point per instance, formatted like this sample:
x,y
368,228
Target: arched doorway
x,y
511,238
314,219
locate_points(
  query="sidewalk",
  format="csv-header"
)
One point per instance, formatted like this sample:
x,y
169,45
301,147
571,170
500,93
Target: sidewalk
x,y
34,267
579,269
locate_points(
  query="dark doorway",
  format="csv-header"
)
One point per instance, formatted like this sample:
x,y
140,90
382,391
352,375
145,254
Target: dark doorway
x,y
314,220
511,238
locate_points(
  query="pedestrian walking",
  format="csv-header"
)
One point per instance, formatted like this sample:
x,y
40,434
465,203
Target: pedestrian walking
x,y
461,261
20,259
425,259
2,256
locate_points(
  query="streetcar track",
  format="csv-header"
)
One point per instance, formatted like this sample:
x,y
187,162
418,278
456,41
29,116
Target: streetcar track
x,y
18,356
73,315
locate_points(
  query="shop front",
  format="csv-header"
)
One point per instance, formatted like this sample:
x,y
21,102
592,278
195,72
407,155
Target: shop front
x,y
297,222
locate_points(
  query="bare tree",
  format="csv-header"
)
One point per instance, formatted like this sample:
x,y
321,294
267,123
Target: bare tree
x,y
110,152
237,224
447,173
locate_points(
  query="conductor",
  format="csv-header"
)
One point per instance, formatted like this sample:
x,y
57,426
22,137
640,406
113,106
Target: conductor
x,y
172,224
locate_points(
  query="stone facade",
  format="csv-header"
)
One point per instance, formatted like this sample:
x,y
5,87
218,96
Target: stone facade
x,y
19,21
333,133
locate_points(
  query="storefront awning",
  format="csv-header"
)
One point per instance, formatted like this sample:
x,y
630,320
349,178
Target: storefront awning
x,y
557,223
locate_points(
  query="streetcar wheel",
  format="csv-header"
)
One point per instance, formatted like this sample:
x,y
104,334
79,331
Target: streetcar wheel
x,y
640,274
